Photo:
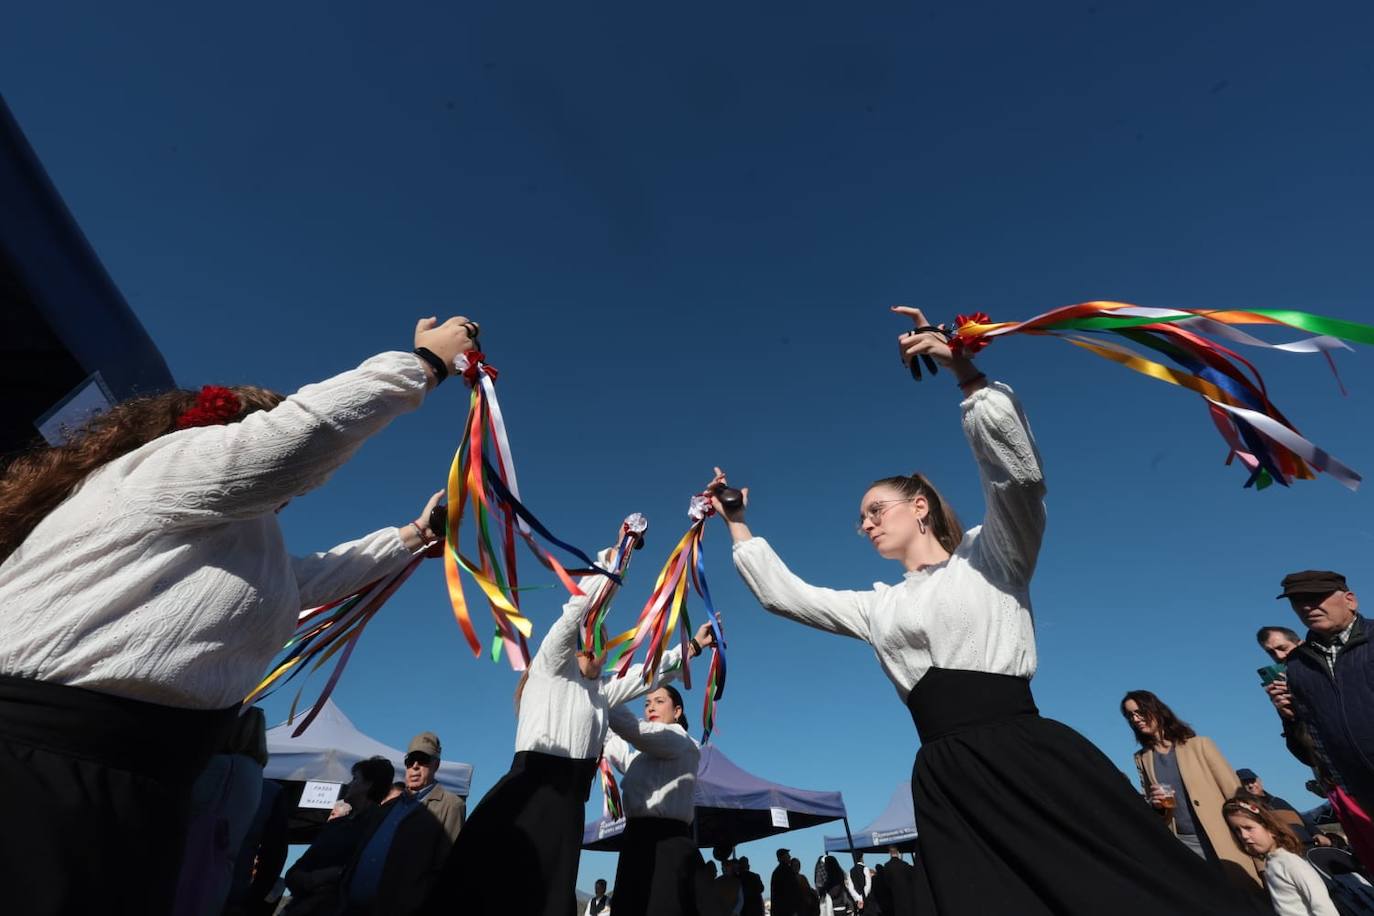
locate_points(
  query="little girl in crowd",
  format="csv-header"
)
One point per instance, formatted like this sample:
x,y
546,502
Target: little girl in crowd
x,y
1295,888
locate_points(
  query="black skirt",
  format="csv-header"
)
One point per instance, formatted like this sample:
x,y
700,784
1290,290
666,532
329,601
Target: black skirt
x,y
658,869
517,854
96,798
1022,816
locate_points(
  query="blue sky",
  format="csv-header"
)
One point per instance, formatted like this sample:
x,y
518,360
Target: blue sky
x,y
681,227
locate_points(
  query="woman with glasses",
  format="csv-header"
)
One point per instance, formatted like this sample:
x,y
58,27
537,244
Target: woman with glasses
x,y
999,791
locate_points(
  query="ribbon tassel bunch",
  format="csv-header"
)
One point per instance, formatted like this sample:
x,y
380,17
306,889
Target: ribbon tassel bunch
x,y
1265,442
482,482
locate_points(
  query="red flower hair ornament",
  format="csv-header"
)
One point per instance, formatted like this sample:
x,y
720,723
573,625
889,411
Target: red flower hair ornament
x,y
214,406
968,346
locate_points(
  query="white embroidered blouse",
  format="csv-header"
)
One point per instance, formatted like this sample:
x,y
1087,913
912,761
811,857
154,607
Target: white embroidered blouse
x,y
973,611
165,577
659,762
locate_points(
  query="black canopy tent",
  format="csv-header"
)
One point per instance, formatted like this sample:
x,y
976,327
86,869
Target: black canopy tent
x,y
65,330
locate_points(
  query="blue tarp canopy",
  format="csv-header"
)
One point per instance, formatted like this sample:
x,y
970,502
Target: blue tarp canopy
x,y
896,826
734,806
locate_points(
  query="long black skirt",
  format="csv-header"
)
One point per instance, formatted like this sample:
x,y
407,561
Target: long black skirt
x,y
517,854
1022,816
658,869
96,798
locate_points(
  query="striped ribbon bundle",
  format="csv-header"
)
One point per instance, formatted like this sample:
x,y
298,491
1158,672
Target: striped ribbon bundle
x,y
665,613
599,608
483,475
324,632
1257,433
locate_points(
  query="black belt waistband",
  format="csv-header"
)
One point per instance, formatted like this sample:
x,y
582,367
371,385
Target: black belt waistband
x,y
164,741
565,775
947,701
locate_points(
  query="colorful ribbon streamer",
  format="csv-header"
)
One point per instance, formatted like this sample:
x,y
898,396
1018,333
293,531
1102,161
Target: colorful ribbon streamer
x,y
611,806
1256,432
599,608
323,632
483,475
665,613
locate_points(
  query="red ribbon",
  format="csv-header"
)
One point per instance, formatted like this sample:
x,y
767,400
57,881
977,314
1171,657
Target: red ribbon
x,y
476,362
965,348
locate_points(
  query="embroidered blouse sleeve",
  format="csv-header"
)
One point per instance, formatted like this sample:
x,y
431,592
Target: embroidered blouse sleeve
x,y
781,592
560,642
1013,483
619,690
616,751
653,738
250,468
342,570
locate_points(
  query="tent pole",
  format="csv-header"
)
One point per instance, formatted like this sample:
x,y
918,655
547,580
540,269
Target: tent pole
x,y
850,837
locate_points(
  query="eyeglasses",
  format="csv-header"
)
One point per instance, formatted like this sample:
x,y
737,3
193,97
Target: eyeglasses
x,y
420,758
875,511
1137,714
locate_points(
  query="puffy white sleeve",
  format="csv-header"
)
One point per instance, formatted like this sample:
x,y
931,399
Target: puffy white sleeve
x,y
250,468
617,752
342,570
653,738
619,690
560,642
781,592
1013,483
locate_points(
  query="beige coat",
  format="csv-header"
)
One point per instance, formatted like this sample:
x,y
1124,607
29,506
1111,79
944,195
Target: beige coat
x,y
1209,781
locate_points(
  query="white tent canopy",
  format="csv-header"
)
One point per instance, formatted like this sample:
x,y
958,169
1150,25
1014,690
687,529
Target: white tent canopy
x,y
327,750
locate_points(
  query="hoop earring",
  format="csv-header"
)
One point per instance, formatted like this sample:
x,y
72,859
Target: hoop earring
x,y
921,524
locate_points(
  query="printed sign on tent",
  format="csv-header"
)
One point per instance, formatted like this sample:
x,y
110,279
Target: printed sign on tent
x,y
320,794
779,817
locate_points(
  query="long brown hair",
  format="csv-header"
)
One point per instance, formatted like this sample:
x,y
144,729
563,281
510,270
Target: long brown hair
x,y
1247,805
1168,727
943,522
35,482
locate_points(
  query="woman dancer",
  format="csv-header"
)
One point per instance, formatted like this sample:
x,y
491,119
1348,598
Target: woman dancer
x,y
659,863
517,854
145,586
1198,779
995,786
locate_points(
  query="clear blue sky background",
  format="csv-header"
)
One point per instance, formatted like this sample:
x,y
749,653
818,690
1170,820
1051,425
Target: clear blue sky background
x,y
681,227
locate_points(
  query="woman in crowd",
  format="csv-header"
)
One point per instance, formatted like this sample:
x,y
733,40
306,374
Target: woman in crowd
x,y
1186,779
1295,888
145,586
659,866
996,787
517,854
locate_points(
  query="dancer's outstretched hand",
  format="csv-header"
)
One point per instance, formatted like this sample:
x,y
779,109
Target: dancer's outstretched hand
x,y
730,515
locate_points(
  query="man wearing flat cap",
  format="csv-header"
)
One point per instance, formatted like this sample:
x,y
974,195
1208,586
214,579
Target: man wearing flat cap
x,y
1331,681
406,841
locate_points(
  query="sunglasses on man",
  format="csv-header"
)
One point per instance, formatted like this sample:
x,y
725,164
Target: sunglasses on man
x,y
418,758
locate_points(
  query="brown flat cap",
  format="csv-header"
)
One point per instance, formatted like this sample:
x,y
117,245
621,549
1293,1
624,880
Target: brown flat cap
x,y
425,743
1313,582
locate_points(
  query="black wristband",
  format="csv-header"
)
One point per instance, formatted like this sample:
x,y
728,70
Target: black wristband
x,y
696,646
435,363
980,377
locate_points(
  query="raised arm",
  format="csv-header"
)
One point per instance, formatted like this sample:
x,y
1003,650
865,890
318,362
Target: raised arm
x,y
653,738
1013,484
250,468
618,690
342,570
560,642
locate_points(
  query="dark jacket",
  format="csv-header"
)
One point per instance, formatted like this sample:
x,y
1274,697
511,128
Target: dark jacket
x,y
1338,710
752,885
784,894
417,852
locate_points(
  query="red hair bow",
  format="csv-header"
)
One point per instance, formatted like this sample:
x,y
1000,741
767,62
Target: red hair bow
x,y
214,406
961,346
